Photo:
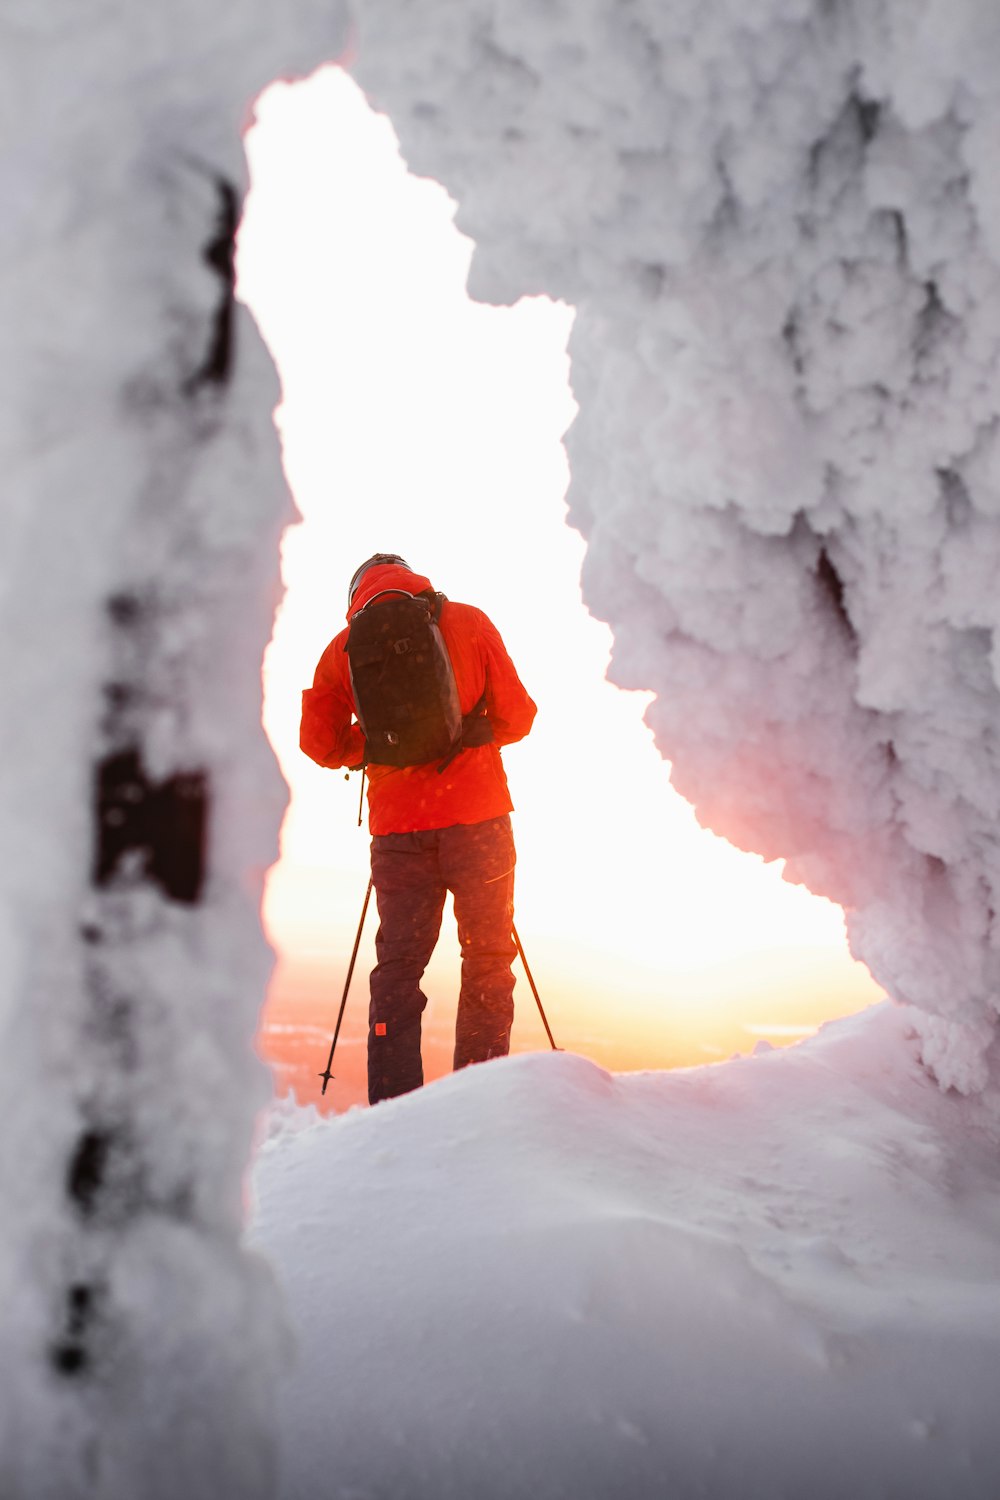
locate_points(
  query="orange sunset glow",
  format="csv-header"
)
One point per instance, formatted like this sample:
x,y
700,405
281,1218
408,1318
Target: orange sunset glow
x,y
417,421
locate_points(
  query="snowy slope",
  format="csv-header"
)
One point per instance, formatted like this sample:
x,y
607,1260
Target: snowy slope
x,y
775,1276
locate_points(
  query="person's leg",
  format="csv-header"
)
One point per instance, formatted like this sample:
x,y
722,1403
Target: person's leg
x,y
410,894
477,862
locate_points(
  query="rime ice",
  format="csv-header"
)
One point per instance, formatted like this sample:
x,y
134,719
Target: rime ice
x,y
139,805
780,225
780,228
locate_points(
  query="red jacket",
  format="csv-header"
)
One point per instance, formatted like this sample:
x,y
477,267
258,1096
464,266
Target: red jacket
x,y
402,800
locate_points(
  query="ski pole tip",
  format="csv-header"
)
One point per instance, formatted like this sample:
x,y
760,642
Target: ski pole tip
x,y
326,1079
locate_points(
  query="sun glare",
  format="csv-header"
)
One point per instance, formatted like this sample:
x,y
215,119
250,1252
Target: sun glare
x,y
417,421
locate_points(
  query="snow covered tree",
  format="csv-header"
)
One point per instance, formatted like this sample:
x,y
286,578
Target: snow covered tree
x,y
144,502
780,229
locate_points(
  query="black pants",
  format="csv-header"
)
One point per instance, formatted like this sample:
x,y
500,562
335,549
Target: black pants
x,y
412,874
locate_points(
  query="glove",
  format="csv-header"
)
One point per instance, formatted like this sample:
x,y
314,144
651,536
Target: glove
x,y
362,763
476,727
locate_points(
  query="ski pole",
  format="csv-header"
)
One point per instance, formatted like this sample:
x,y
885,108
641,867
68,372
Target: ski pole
x,y
534,991
327,1075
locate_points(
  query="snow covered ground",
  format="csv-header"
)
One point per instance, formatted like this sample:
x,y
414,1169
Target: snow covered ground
x,y
774,1276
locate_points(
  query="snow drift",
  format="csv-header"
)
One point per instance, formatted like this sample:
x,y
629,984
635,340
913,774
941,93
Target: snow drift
x,y
775,1276
780,226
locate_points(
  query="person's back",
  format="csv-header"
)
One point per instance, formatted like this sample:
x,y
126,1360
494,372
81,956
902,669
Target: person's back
x,y
436,826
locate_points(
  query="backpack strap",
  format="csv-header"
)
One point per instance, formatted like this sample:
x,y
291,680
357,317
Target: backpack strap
x,y
437,602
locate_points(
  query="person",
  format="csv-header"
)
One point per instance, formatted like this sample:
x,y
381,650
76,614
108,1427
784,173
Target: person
x,y
433,831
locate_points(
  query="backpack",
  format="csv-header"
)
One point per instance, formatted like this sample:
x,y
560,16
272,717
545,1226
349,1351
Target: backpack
x,y
403,682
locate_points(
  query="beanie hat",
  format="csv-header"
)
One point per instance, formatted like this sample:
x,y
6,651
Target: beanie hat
x,y
377,557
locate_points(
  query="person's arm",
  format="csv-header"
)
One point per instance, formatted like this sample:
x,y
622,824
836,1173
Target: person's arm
x,y
328,733
509,708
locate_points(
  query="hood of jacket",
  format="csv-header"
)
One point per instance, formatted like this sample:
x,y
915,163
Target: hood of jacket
x,y
385,576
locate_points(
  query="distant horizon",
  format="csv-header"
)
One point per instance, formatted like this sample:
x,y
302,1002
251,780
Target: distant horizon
x,y
713,1021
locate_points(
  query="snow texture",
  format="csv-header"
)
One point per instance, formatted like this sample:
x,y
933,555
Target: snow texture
x,y
774,1276
779,223
780,226
139,806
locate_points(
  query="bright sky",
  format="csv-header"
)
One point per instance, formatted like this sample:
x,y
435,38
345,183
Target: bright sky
x,y
416,421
